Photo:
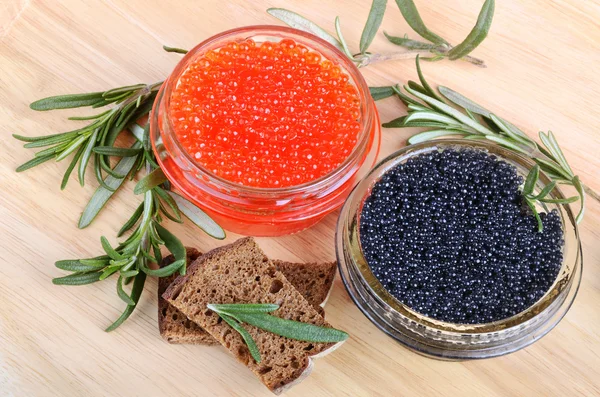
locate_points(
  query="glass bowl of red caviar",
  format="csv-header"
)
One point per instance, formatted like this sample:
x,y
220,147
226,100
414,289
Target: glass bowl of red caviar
x,y
453,340
266,128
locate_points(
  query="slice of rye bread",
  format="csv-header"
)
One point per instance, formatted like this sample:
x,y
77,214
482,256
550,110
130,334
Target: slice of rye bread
x,y
312,280
173,325
241,273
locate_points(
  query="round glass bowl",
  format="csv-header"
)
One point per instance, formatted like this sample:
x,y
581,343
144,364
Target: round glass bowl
x,y
440,339
264,211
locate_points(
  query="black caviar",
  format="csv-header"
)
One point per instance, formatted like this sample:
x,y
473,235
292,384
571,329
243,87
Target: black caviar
x,y
448,235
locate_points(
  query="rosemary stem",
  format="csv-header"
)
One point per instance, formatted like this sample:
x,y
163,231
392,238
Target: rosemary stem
x,y
592,193
474,61
377,58
141,92
412,54
145,241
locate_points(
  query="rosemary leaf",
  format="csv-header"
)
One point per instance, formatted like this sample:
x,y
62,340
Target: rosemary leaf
x,y
579,187
85,159
77,279
109,271
418,108
411,15
34,162
54,150
98,262
428,90
157,254
72,147
405,98
373,23
507,143
550,141
75,265
100,103
66,101
173,244
431,116
129,273
450,111
560,201
408,43
531,180
110,251
37,138
381,92
396,123
116,151
550,166
433,134
290,329
102,195
338,31
115,92
136,292
299,22
137,131
99,175
427,124
254,352
146,139
531,205
122,294
462,101
504,127
70,168
165,271
170,202
478,34
199,217
153,179
132,220
51,140
546,190
92,117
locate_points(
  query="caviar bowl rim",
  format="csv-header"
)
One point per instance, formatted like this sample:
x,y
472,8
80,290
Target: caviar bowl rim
x,y
367,118
433,337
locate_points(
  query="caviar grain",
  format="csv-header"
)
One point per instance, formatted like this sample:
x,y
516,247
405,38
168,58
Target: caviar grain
x,y
266,115
448,235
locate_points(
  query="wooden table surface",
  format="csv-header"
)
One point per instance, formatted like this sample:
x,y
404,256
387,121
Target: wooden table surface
x,y
543,58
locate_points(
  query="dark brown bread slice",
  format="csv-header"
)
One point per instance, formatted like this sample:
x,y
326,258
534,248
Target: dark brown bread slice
x,y
312,280
241,273
174,326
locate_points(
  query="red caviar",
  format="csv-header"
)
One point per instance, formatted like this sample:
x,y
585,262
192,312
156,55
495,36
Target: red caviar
x,y
271,115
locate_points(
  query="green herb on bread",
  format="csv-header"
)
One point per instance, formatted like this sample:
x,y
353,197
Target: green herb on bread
x,y
257,314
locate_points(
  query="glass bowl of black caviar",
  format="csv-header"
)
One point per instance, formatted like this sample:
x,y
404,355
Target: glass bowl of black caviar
x,y
438,249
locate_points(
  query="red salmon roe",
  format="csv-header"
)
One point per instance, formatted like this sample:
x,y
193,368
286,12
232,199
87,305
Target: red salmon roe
x,y
270,115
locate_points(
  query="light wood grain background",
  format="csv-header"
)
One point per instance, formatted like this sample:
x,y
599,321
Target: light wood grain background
x,y
543,58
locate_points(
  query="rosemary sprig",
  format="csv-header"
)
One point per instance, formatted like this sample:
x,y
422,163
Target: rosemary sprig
x,y
131,259
438,47
453,115
435,49
98,137
257,314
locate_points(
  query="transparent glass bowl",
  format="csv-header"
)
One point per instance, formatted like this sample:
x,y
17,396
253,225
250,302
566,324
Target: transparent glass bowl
x,y
264,211
440,339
